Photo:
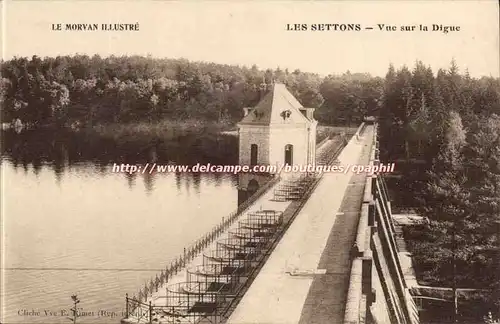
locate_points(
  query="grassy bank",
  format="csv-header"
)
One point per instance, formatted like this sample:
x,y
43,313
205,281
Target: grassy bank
x,y
168,129
161,130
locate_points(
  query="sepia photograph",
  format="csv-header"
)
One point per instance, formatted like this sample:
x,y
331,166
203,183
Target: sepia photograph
x,y
250,162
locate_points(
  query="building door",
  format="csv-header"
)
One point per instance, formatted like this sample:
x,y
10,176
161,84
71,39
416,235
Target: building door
x,y
288,154
253,154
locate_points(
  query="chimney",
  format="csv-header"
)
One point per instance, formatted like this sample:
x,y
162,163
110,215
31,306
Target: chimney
x,y
310,113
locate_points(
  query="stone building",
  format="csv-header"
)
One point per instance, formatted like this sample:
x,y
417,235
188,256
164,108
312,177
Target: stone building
x,y
279,130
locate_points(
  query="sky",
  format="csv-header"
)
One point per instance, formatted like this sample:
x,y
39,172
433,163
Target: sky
x,y
247,33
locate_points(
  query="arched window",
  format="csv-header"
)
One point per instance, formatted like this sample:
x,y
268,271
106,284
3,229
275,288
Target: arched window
x,y
253,154
252,187
288,154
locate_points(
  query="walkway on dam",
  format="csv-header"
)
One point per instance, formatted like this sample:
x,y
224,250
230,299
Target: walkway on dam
x,y
306,278
326,300
264,202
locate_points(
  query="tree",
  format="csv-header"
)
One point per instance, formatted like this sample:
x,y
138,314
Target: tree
x,y
59,100
483,156
449,202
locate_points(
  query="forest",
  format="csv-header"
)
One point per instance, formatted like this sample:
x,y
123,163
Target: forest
x,y
89,91
441,128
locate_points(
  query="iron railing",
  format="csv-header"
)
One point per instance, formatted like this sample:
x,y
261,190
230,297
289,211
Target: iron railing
x,y
237,256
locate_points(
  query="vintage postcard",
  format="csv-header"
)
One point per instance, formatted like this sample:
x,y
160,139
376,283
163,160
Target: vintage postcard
x,y
264,162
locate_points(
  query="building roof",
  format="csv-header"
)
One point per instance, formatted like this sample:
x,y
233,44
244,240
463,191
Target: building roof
x,y
278,106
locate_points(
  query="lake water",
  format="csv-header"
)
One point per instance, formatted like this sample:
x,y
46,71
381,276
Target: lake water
x,y
72,226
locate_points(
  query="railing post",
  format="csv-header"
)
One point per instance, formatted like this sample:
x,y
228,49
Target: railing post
x,y
150,313
374,185
371,214
367,273
126,306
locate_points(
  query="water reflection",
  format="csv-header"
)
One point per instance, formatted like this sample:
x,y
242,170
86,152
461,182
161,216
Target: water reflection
x,y
65,208
62,150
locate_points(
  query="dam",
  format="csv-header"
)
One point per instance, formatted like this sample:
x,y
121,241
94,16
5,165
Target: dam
x,y
305,247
